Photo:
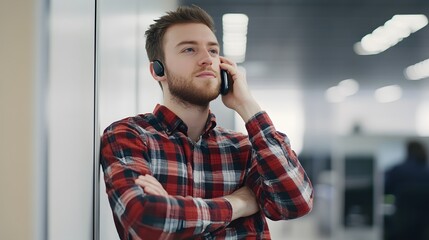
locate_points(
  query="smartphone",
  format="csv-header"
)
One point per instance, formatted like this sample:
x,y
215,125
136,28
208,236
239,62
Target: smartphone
x,y
224,84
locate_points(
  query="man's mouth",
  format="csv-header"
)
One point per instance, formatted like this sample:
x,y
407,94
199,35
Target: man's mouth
x,y
206,74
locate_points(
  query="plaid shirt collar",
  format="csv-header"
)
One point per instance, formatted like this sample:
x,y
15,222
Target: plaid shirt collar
x,y
171,123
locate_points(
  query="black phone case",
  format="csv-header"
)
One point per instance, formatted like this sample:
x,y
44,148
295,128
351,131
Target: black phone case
x,y
224,85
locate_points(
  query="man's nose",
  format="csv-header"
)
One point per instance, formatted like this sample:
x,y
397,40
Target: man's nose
x,y
206,59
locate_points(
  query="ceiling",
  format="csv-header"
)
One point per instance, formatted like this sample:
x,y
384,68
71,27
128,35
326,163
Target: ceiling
x,y
308,44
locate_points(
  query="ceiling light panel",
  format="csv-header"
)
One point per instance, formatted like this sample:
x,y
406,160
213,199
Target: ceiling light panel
x,y
340,92
392,32
388,94
417,71
235,36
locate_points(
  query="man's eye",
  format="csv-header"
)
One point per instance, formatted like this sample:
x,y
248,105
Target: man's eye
x,y
188,50
214,51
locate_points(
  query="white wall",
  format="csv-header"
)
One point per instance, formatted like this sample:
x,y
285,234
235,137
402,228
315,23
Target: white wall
x,y
71,119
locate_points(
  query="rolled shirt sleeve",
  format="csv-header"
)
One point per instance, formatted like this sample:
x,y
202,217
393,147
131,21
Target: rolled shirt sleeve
x,y
277,178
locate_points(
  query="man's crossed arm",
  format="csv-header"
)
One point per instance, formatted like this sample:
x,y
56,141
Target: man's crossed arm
x,y
243,200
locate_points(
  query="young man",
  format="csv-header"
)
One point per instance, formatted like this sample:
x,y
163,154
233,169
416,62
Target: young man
x,y
174,174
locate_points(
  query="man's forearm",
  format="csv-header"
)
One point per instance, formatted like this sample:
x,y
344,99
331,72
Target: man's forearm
x,y
243,203
249,109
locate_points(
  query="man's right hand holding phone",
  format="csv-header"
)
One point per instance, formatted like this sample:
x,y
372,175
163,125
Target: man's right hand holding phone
x,y
239,97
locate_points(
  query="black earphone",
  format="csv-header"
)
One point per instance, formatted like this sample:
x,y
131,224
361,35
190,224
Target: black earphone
x,y
158,68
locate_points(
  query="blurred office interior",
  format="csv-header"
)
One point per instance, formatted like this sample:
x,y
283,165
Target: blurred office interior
x,y
70,68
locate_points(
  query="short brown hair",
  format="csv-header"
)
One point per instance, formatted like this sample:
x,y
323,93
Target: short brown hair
x,y
183,14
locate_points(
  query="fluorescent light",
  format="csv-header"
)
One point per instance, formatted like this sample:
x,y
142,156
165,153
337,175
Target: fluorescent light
x,y
334,95
388,94
235,36
348,87
344,89
233,28
235,19
392,32
417,71
414,22
235,49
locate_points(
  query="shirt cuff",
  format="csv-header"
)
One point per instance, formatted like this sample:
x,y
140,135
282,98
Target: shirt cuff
x,y
220,212
258,123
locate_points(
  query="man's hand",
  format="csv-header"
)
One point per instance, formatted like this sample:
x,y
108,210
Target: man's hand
x,y
239,98
151,185
243,203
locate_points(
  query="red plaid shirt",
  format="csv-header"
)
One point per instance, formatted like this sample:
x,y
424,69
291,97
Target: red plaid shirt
x,y
197,175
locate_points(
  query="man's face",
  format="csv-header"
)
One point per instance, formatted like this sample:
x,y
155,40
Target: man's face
x,y
192,63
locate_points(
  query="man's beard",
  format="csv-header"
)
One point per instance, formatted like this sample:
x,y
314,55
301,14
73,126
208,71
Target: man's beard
x,y
185,90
